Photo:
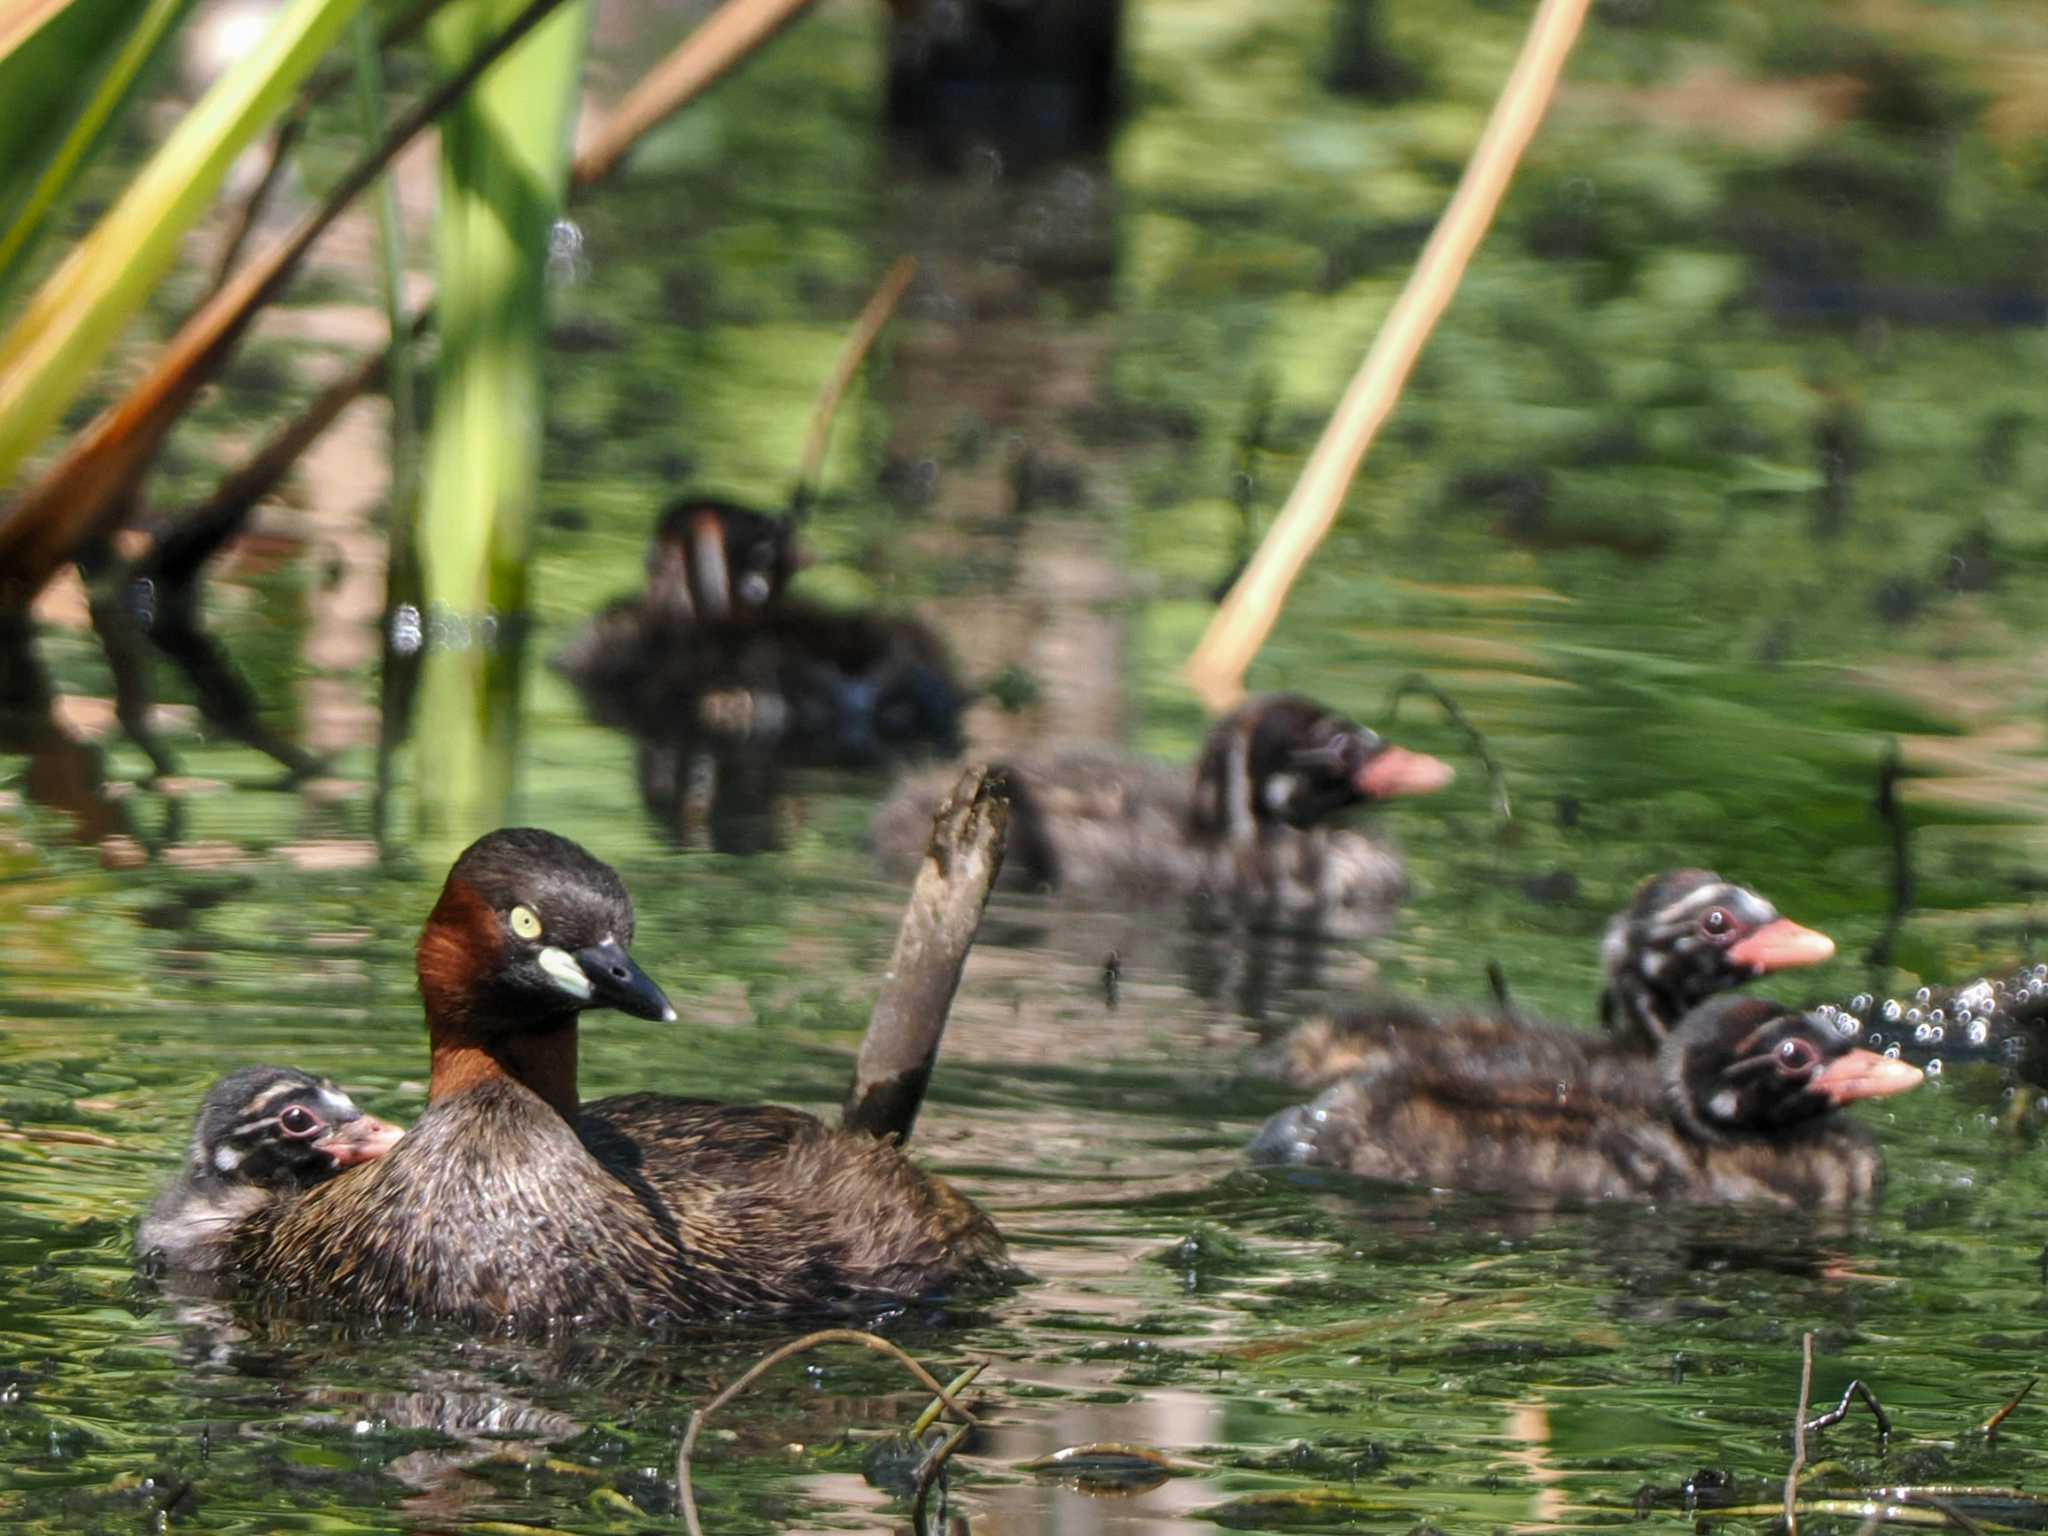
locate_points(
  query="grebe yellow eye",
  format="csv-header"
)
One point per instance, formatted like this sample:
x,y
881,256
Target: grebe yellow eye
x,y
525,923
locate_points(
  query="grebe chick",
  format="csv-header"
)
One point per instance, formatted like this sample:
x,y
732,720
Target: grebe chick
x,y
710,558
1685,936
263,1137
1738,1104
1246,830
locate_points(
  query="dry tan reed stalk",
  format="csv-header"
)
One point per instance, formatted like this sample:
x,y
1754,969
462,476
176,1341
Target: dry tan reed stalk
x,y
1216,669
727,35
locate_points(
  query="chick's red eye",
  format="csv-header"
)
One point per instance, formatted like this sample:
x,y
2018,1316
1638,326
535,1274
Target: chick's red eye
x,y
299,1121
1796,1056
1716,922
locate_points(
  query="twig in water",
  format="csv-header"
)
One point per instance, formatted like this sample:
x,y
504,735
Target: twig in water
x,y
1890,813
865,329
1840,1411
935,1407
322,85
928,1475
1799,1436
1879,1508
1991,1424
282,143
1415,682
1216,670
809,1341
1497,979
1251,442
1963,1522
1244,482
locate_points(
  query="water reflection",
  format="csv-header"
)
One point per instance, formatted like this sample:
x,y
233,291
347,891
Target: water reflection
x,y
725,684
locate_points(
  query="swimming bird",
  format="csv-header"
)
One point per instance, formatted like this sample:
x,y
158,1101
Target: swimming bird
x,y
710,558
513,1204
1686,935
1247,828
713,656
1739,1103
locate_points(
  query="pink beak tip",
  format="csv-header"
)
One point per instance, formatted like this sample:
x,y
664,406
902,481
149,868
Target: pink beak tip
x,y
1866,1075
362,1141
1781,945
1396,771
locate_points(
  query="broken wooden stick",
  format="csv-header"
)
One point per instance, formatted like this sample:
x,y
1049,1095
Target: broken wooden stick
x,y
946,899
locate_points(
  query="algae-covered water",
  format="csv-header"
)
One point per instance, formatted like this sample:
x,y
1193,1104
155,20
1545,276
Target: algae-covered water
x,y
1726,470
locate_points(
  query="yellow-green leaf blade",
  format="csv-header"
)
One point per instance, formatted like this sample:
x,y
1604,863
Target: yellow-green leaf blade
x,y
56,341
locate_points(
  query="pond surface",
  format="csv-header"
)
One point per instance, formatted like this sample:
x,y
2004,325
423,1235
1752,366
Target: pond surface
x,y
1726,470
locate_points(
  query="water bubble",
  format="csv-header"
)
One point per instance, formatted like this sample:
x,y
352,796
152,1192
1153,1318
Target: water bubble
x,y
1934,1067
1923,1032
1979,1032
1892,1010
1913,1015
1861,1002
1891,1053
406,632
1936,1033
567,264
1076,189
1935,1016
